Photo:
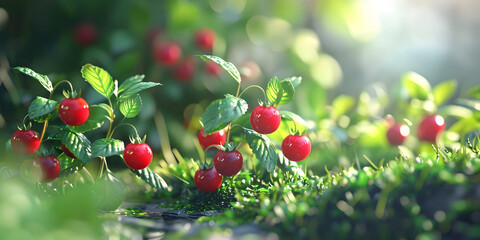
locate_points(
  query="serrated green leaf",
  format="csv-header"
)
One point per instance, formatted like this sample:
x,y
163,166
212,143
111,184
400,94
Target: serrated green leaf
x,y
107,147
279,93
131,107
227,66
69,165
77,143
288,92
417,86
99,79
98,115
262,148
221,112
41,107
136,88
444,91
130,82
152,178
342,104
109,192
43,79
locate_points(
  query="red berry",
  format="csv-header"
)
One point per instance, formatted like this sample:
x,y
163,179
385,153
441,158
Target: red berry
x,y
185,70
85,34
265,120
73,111
397,134
205,39
25,142
216,138
228,163
296,148
212,69
208,180
430,127
66,151
166,53
49,165
137,156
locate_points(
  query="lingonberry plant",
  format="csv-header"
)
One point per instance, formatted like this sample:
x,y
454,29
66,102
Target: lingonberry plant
x,y
223,115
76,117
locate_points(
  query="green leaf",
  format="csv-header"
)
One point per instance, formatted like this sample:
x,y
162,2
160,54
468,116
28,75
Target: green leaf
x,y
100,79
417,86
295,80
69,165
131,91
130,82
152,178
342,104
444,91
279,93
131,107
287,125
98,114
107,147
262,148
43,79
221,112
77,143
227,66
41,107
109,192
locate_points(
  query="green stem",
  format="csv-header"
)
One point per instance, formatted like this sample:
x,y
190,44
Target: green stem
x,y
109,132
123,124
258,87
56,85
45,124
294,124
88,174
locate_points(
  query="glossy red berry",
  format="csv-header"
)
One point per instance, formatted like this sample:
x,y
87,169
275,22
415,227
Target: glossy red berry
x,y
49,165
228,163
208,180
296,148
25,142
430,127
216,138
397,134
85,34
212,69
265,120
137,156
185,70
66,151
73,111
205,39
166,53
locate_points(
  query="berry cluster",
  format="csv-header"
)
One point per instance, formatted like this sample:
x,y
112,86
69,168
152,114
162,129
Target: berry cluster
x,y
76,117
219,118
169,54
428,130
